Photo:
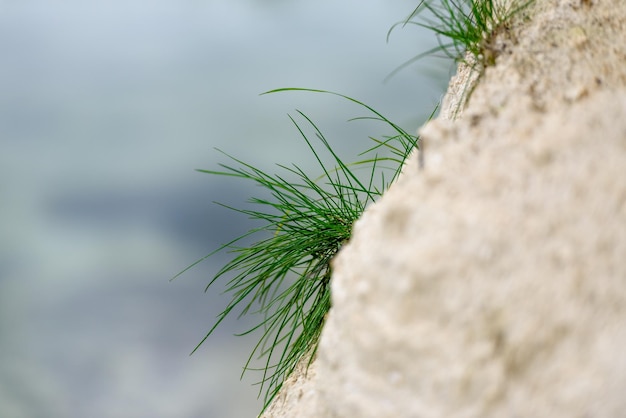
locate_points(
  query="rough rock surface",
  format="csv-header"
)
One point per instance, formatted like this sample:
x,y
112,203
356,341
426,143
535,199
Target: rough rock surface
x,y
492,282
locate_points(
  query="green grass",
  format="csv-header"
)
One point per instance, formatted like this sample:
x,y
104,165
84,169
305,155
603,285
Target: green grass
x,y
462,26
283,276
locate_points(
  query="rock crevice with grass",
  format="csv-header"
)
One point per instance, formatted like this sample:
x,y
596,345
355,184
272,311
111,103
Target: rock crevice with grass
x,y
492,281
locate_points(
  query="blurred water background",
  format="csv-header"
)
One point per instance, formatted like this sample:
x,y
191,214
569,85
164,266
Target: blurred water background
x,y
106,109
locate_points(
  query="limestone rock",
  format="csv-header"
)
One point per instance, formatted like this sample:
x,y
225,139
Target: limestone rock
x,y
492,282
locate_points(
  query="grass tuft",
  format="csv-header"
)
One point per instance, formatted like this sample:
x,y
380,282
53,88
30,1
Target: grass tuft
x,y
462,26
284,275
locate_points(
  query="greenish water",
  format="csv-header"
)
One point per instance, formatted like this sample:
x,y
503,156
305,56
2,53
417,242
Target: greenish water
x,y
105,111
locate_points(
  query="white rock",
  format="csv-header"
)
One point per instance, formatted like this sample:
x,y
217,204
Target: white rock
x,y
492,283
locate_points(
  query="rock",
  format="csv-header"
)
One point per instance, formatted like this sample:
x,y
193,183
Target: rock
x,y
492,282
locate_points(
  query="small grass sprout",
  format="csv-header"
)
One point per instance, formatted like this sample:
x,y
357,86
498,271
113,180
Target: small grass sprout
x,y
284,274
463,26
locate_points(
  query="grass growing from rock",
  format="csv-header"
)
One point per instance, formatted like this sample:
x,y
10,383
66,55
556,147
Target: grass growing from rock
x,y
284,275
462,27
